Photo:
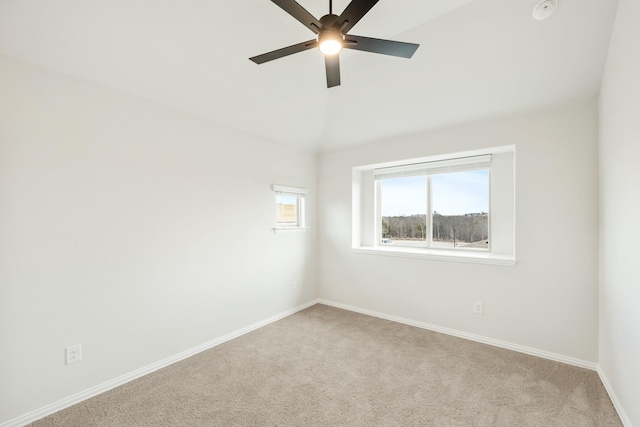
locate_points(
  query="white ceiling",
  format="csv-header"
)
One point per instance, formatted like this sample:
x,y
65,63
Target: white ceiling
x,y
477,58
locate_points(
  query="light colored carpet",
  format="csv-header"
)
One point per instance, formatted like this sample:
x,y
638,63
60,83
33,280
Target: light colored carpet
x,y
329,367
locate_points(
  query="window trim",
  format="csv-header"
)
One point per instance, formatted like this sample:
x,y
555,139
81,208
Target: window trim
x,y
437,254
436,167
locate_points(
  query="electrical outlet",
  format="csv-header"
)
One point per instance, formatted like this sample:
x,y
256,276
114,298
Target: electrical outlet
x,y
478,307
73,354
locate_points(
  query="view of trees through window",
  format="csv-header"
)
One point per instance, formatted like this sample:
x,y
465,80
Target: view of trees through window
x,y
459,214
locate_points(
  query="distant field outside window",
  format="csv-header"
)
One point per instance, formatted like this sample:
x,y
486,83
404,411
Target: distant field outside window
x,y
286,210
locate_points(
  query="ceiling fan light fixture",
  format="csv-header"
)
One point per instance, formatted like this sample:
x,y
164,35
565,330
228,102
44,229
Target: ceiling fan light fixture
x,y
330,42
331,32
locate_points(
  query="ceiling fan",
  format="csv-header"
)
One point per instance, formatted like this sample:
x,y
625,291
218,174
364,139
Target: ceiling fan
x,y
332,36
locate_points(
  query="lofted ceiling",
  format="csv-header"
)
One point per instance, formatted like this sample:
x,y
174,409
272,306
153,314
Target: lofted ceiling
x,y
477,59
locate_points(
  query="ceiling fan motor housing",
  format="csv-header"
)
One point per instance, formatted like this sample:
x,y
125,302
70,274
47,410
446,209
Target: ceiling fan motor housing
x,y
327,21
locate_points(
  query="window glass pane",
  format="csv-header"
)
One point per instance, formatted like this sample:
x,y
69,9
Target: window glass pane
x,y
286,210
403,205
461,209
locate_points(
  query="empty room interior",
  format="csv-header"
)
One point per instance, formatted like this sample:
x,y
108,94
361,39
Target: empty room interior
x,y
206,218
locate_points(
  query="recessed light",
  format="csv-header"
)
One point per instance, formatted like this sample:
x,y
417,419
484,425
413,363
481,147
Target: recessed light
x,y
545,9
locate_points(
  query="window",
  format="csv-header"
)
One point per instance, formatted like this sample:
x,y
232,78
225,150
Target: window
x,y
460,213
435,205
289,208
456,207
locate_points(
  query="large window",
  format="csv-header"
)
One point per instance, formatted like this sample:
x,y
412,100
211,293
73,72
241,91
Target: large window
x,y
435,204
458,207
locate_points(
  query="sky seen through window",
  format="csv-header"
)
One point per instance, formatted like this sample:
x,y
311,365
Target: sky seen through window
x,y
452,194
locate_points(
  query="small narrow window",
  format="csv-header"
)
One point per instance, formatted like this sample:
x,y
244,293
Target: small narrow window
x,y
287,210
290,215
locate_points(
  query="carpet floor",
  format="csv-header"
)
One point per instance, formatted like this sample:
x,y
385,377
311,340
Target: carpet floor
x,y
329,367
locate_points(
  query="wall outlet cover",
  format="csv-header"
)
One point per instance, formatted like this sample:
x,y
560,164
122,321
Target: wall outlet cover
x,y
478,307
73,354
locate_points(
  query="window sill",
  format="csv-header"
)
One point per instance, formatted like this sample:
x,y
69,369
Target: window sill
x,y
290,230
438,255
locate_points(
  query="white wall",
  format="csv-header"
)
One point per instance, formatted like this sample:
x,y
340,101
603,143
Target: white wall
x,y
619,212
133,229
549,300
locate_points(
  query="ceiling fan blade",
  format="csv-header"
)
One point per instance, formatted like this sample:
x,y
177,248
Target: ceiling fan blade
x,y
385,47
285,51
300,13
352,14
332,65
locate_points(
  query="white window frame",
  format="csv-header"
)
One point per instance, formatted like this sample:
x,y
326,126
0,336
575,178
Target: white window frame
x,y
366,221
299,194
428,169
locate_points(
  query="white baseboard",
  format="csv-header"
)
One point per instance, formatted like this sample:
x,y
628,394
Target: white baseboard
x,y
94,391
473,337
614,398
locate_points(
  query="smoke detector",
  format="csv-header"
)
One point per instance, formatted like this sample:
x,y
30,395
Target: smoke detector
x,y
545,9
